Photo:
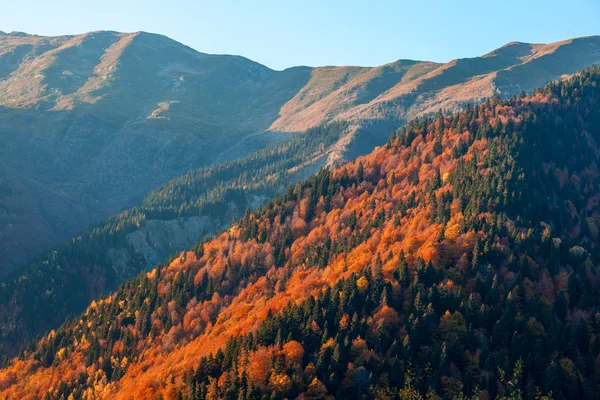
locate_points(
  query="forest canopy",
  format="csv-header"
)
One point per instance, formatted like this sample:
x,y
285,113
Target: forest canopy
x,y
458,260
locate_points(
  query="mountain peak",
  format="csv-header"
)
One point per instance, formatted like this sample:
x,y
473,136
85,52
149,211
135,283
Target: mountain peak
x,y
17,33
512,49
515,43
404,61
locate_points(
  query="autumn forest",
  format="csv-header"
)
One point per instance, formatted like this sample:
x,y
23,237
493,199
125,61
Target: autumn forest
x,y
458,260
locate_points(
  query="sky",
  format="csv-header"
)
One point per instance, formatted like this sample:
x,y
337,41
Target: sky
x,y
283,33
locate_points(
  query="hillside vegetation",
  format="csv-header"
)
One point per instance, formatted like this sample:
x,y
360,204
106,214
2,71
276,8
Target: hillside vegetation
x,y
460,259
173,217
91,123
70,101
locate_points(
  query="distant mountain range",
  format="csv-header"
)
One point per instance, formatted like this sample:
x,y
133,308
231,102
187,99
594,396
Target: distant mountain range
x,y
89,124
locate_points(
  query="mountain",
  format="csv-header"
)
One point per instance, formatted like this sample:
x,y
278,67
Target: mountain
x,y
90,124
406,89
62,282
459,259
39,295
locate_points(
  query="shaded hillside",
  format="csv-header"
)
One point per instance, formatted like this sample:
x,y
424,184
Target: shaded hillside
x,y
42,199
174,217
89,124
92,123
460,258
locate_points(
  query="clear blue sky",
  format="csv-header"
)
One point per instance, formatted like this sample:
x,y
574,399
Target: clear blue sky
x,y
283,33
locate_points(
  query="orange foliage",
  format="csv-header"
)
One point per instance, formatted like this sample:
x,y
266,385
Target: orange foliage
x,y
203,325
386,316
293,352
259,366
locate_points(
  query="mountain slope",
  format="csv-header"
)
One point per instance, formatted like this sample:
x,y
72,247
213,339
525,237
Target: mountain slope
x,y
175,216
367,97
460,258
406,89
89,124
94,122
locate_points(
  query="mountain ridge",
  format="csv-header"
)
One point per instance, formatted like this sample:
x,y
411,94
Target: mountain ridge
x,y
86,126
126,121
63,170
459,259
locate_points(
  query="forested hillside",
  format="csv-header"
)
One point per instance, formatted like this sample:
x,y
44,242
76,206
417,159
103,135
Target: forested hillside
x,y
460,259
91,123
66,104
64,281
